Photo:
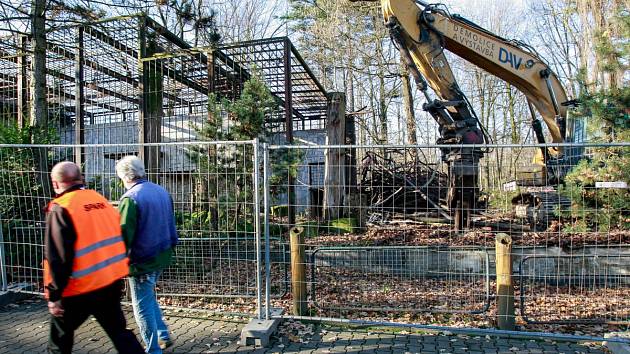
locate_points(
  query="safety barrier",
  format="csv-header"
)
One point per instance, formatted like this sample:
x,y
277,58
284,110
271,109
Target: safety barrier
x,y
216,205
379,240
381,245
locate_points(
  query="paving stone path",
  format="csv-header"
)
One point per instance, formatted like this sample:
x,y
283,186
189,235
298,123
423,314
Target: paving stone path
x,y
24,329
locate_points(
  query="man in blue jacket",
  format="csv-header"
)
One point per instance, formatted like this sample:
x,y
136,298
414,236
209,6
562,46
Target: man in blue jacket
x,y
148,229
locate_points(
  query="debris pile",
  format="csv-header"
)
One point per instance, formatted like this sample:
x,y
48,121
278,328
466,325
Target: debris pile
x,y
400,182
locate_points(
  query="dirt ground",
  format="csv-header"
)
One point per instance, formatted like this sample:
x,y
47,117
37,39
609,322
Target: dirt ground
x,y
458,300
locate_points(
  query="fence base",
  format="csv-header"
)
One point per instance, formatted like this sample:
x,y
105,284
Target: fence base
x,y
258,332
15,293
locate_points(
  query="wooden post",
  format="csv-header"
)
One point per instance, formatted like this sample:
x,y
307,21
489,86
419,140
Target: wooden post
x,y
505,291
298,271
335,169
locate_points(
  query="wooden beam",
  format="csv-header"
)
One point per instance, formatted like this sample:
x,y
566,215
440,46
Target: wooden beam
x,y
335,169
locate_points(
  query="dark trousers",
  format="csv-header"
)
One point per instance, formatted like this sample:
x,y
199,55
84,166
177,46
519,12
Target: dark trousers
x,y
104,304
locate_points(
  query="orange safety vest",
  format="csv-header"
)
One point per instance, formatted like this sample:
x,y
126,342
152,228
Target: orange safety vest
x,y
100,256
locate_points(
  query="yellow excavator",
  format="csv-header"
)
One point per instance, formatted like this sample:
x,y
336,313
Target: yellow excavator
x,y
421,32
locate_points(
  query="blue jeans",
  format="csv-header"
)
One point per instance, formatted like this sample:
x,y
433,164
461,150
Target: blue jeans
x,y
147,311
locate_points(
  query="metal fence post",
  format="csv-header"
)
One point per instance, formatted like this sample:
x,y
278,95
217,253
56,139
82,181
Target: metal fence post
x,y
3,268
266,177
256,178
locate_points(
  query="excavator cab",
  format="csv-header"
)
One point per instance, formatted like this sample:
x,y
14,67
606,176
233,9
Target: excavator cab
x,y
538,201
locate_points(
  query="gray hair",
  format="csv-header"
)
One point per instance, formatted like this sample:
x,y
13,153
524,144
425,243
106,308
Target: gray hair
x,y
130,168
66,172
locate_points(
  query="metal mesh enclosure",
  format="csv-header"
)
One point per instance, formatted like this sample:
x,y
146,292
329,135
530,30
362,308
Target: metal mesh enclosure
x,y
400,279
130,80
129,86
390,251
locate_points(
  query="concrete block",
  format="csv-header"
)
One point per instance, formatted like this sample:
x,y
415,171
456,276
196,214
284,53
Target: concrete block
x,y
618,347
258,332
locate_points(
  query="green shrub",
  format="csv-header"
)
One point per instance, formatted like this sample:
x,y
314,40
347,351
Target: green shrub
x,y
343,225
600,209
20,187
607,121
280,211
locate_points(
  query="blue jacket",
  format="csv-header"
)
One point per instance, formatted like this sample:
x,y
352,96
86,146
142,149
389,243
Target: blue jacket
x,y
155,230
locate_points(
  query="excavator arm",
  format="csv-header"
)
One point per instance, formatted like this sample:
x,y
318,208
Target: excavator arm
x,y
427,29
422,31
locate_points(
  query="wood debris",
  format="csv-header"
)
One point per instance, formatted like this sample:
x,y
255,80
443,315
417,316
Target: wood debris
x,y
401,183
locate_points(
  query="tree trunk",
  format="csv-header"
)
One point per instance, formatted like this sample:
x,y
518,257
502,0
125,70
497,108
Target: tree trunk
x,y
410,118
335,173
514,132
39,114
351,106
512,115
39,110
382,102
480,83
382,112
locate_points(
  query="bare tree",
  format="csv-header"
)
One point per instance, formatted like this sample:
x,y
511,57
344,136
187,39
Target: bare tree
x,y
573,32
242,20
410,116
349,48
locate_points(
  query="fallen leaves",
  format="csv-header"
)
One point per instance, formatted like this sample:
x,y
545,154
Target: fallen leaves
x,y
438,235
372,290
296,331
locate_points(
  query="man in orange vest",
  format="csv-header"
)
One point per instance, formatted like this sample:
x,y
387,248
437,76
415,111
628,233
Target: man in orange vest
x,y
84,262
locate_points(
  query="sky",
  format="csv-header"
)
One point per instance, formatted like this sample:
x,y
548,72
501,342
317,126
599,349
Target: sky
x,y
472,9
461,6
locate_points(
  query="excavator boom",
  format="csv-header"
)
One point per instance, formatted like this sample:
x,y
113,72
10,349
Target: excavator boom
x,y
508,60
421,32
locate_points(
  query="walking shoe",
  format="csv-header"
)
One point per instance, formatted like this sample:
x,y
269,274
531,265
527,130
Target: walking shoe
x,y
164,344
